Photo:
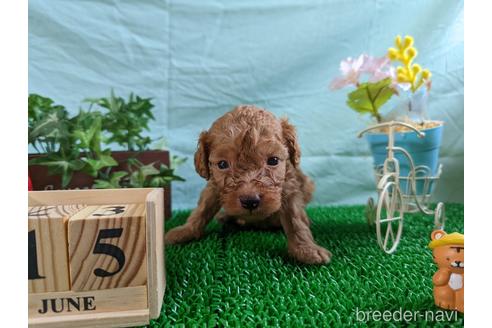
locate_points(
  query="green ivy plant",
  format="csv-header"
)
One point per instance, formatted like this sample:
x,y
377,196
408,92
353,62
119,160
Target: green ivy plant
x,y
81,143
124,121
67,144
138,175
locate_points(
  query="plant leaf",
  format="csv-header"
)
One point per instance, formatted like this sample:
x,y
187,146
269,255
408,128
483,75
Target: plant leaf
x,y
370,96
113,182
381,92
177,161
137,180
157,182
93,166
359,100
102,184
58,165
148,169
117,176
107,160
66,178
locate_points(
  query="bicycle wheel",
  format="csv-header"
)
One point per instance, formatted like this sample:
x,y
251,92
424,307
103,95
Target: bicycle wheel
x,y
439,216
389,217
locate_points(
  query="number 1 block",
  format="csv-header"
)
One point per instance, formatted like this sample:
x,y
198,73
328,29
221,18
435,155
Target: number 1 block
x,y
107,247
47,243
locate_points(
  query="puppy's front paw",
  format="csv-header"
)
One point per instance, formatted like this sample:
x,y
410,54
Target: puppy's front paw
x,y
310,254
180,234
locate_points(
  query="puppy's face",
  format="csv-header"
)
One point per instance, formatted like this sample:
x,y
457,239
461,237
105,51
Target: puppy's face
x,y
245,154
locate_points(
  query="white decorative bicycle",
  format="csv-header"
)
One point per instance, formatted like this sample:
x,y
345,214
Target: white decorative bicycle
x,y
393,202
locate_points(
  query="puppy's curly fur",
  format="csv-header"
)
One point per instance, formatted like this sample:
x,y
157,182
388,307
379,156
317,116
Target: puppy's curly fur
x,y
251,161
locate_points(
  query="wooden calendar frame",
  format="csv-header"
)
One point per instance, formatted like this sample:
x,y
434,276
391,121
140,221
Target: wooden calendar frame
x,y
118,307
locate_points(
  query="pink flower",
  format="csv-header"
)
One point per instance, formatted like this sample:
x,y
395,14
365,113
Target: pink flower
x,y
351,70
378,68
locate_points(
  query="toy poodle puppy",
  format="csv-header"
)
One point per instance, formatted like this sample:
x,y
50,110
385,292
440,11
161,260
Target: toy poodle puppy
x,y
251,162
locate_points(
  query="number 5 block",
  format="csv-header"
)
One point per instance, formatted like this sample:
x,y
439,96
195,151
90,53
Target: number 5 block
x,y
107,247
47,244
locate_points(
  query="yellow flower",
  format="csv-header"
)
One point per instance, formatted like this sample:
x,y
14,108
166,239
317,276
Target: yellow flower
x,y
408,72
416,69
392,54
426,74
408,41
412,53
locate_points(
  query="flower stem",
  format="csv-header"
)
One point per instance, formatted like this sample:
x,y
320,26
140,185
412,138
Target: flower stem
x,y
378,117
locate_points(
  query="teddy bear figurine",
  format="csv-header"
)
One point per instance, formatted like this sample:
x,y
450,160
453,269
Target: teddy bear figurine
x,y
449,281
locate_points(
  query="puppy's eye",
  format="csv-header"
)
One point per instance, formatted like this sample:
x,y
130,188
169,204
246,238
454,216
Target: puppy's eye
x,y
223,165
272,161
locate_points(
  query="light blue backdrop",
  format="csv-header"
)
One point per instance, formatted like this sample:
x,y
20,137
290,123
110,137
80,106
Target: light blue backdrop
x,y
198,59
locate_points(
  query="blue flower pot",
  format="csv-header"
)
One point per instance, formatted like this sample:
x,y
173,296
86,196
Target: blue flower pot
x,y
424,151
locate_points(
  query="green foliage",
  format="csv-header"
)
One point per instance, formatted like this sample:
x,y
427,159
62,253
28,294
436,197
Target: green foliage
x,y
78,143
114,180
51,132
139,175
369,97
58,164
126,120
48,124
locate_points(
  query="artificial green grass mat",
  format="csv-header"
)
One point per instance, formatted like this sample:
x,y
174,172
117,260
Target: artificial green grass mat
x,y
232,278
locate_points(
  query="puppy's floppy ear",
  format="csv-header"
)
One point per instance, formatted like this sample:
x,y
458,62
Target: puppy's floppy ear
x,y
290,140
201,156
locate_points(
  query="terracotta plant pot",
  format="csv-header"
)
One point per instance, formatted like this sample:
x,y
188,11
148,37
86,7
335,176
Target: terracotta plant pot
x,y
42,181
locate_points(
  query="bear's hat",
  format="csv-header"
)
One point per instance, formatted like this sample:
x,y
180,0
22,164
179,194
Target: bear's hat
x,y
440,238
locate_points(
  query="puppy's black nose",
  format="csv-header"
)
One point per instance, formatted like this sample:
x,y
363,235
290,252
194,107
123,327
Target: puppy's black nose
x,y
250,202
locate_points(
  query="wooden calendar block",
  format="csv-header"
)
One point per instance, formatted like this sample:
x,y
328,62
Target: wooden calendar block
x,y
90,302
47,244
107,247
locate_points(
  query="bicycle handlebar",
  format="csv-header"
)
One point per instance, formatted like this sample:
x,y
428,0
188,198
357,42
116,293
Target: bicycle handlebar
x,y
389,124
